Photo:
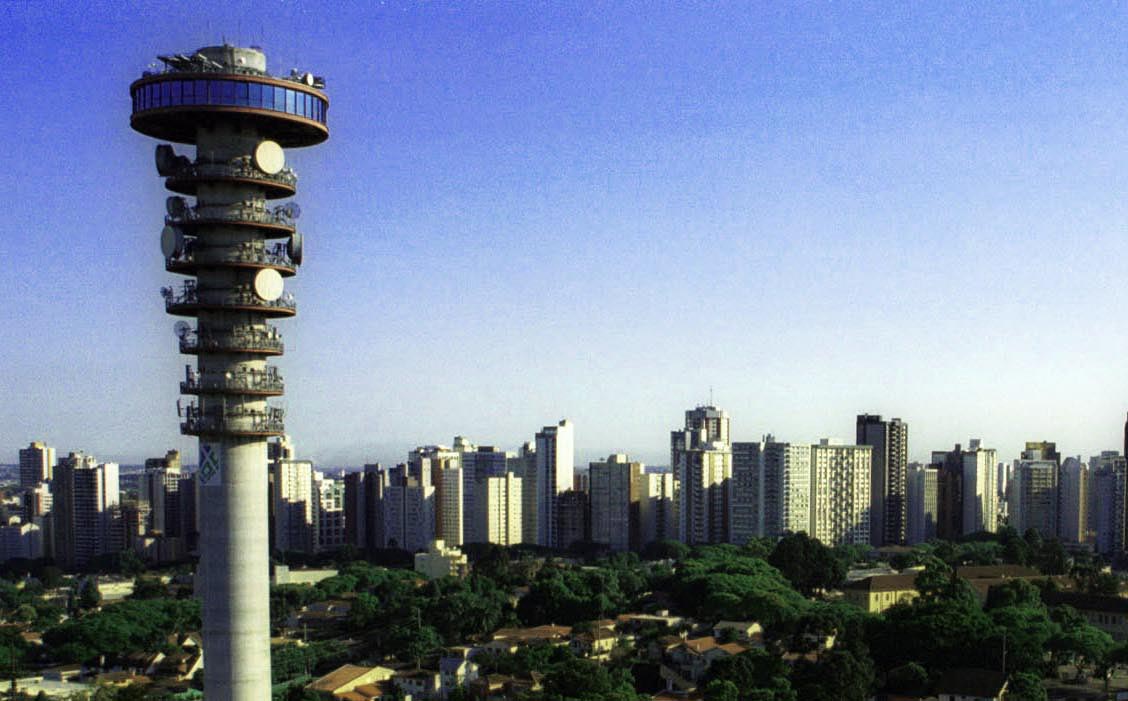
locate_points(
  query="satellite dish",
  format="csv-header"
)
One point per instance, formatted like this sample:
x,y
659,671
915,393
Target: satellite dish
x,y
293,210
308,79
175,206
269,157
181,329
172,241
268,284
294,248
166,160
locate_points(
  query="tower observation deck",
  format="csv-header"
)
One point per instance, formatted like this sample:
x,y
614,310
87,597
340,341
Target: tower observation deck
x,y
236,245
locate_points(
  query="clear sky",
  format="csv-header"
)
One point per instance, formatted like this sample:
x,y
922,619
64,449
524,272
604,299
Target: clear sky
x,y
529,211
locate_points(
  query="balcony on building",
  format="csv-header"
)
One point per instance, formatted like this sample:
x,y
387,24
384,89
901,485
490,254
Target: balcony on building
x,y
263,383
189,300
246,254
231,421
241,169
240,339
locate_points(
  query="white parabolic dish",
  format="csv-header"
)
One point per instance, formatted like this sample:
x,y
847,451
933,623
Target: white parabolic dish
x,y
268,285
269,157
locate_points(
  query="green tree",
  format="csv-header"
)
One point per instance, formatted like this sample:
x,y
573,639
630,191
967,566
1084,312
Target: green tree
x,y
576,679
1026,686
721,690
809,565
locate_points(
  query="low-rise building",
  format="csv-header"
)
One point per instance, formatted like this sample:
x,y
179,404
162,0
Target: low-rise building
x,y
972,685
878,593
441,561
347,678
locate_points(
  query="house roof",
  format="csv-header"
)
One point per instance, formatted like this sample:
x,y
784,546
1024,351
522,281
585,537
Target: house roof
x,y
885,582
546,632
339,677
1086,602
995,571
703,645
972,682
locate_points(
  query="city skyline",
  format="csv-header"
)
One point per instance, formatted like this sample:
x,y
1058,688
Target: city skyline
x,y
599,214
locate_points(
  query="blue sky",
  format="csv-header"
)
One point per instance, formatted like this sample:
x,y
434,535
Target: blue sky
x,y
600,211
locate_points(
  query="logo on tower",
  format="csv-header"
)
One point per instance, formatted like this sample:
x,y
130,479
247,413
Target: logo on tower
x,y
211,464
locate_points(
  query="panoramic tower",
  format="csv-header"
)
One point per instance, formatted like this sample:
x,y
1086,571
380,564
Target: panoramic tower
x,y
236,247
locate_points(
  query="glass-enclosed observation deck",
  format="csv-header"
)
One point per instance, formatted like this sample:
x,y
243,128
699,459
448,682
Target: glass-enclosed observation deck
x,y
171,105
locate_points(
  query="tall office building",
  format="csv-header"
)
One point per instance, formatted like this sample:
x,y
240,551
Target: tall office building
x,y
746,508
524,465
85,495
1034,497
890,443
328,498
408,509
614,495
160,491
221,101
294,525
786,488
658,514
555,469
1073,500
922,499
476,465
701,458
967,498
36,463
840,493
364,516
573,523
1109,492
497,509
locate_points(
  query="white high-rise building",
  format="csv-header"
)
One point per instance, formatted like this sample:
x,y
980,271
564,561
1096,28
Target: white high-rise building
x,y
442,467
293,505
498,509
615,490
478,464
160,489
922,503
840,493
524,465
555,470
701,459
1109,482
787,488
36,463
85,522
328,497
409,511
1034,494
658,514
1073,500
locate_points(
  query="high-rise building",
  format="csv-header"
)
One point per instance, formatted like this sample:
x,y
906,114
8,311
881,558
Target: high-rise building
x,y
658,515
1073,500
524,465
1109,491
408,507
840,493
497,509
746,508
222,101
1034,497
364,517
443,469
36,463
160,491
85,522
294,526
615,491
967,498
572,523
922,498
328,498
555,469
476,465
890,443
701,458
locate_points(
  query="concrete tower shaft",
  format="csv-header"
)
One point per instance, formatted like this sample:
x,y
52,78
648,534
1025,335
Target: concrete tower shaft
x,y
236,247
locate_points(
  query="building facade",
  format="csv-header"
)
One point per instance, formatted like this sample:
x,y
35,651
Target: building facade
x,y
555,461
840,493
615,492
888,505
